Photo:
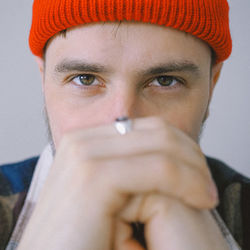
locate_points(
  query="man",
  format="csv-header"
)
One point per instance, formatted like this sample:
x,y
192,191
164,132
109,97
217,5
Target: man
x,y
127,87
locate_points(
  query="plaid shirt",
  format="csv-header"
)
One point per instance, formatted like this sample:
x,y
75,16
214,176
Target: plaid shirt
x,y
234,193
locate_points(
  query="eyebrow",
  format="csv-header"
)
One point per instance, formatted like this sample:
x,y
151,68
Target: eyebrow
x,y
66,66
175,66
77,65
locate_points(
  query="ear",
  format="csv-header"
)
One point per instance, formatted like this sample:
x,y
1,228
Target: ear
x,y
41,65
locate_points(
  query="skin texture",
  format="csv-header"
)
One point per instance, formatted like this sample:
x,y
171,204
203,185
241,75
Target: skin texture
x,y
100,181
124,93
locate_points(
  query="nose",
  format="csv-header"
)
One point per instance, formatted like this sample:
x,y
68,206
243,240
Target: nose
x,y
124,102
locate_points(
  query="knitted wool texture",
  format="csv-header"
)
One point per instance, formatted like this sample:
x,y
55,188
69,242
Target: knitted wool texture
x,y
205,19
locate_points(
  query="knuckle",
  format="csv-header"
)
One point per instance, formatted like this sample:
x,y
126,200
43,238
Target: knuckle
x,y
76,149
79,147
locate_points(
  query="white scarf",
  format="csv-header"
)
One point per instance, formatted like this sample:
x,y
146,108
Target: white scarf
x,y
40,174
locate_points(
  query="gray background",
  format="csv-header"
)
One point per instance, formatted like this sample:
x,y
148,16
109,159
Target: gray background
x,y
22,129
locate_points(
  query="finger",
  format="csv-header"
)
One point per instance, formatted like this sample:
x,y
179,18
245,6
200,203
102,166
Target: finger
x,y
154,173
145,123
197,228
140,143
163,212
150,134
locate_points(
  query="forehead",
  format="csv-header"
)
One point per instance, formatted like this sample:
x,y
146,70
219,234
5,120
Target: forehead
x,y
127,43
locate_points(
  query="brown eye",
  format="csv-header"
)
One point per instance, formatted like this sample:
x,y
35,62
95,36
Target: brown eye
x,y
86,80
166,80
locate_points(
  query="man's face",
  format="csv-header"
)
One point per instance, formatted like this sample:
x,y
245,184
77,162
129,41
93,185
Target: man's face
x,y
103,71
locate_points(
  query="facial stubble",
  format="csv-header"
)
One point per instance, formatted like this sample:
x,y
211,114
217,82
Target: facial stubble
x,y
52,144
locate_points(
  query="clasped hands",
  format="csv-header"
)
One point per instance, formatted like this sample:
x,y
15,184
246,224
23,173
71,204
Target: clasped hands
x,y
101,182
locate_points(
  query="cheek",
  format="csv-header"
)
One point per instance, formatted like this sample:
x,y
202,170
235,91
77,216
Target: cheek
x,y
188,114
63,119
66,114
190,121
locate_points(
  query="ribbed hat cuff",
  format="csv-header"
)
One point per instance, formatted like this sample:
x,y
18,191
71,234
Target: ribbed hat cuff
x,y
205,19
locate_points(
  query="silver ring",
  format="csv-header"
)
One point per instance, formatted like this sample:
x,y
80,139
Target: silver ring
x,y
123,125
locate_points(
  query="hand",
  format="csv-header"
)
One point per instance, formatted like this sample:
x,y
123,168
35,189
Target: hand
x,y
97,174
169,224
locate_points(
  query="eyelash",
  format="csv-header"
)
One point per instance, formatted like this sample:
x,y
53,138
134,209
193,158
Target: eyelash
x,y
179,81
72,79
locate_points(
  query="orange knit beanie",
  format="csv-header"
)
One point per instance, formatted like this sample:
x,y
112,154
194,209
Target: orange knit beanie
x,y
205,19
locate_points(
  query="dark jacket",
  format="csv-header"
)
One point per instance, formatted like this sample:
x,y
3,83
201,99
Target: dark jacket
x,y
234,194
